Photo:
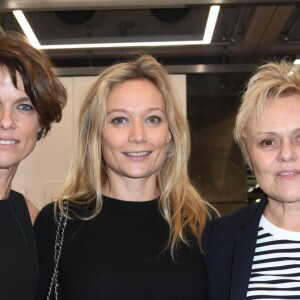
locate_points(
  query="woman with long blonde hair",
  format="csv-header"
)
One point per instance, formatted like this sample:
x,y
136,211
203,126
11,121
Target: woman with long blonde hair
x,y
130,221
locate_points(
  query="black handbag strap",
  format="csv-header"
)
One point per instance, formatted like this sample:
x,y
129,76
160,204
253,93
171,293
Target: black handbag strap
x,y
59,240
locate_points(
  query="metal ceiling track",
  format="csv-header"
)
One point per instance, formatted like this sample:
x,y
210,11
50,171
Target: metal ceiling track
x,y
46,5
176,69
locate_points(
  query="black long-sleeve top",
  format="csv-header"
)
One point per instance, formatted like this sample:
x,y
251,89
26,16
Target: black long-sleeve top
x,y
119,254
18,254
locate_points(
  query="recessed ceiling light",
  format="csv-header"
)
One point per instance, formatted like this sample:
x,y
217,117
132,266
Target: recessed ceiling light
x,y
171,41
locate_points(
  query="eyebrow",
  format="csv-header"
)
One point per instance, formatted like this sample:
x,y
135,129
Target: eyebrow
x,y
21,99
264,132
274,133
125,111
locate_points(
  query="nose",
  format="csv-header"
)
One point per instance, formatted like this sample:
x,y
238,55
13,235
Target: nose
x,y
287,152
137,132
6,118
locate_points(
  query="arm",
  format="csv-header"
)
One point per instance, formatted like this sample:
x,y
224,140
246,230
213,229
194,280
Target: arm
x,y
45,228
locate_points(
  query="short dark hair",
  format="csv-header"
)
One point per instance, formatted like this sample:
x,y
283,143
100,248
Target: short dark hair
x,y
42,86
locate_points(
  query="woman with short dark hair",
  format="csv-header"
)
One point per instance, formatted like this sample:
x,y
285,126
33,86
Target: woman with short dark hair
x,y
31,98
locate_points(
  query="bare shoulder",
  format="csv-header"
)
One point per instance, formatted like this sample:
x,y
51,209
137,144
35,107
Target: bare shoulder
x,y
33,210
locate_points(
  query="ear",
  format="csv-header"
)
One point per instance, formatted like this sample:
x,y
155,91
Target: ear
x,y
39,132
248,161
169,137
247,158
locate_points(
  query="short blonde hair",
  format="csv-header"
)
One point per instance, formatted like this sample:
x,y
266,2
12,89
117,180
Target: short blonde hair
x,y
271,80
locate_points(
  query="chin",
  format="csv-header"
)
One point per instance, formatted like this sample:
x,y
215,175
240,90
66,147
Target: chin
x,y
290,198
8,164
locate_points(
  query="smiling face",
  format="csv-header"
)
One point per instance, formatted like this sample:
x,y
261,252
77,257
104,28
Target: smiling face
x,y
274,149
19,124
136,133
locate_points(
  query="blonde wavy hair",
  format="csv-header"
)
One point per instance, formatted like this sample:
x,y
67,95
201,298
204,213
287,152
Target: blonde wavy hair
x,y
270,81
180,203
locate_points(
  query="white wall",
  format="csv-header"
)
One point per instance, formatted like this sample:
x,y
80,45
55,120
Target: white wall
x,y
42,173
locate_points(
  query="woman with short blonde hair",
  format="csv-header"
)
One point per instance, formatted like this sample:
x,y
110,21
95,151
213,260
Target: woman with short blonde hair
x,y
259,246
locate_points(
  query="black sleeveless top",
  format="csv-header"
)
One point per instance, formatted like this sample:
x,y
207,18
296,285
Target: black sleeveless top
x,y
18,254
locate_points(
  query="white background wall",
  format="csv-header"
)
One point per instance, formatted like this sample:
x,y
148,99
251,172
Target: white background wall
x,y
41,174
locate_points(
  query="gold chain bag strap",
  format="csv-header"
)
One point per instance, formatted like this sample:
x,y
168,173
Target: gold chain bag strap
x,y
59,239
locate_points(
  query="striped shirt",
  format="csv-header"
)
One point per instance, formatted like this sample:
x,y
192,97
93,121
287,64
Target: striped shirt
x,y
275,270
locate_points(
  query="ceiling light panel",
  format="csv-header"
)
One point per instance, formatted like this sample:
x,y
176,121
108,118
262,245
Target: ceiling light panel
x,y
122,30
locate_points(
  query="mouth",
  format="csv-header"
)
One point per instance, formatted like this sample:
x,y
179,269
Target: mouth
x,y
137,154
8,142
288,174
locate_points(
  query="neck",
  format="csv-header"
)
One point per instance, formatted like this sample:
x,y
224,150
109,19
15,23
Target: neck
x,y
6,177
131,189
283,215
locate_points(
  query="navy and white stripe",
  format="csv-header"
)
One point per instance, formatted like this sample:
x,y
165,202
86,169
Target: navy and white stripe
x,y
275,270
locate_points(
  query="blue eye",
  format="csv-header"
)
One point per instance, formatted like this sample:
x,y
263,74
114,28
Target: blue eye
x,y
25,107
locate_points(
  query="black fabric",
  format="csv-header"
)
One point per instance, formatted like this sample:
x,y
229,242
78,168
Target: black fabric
x,y
18,254
229,244
120,254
